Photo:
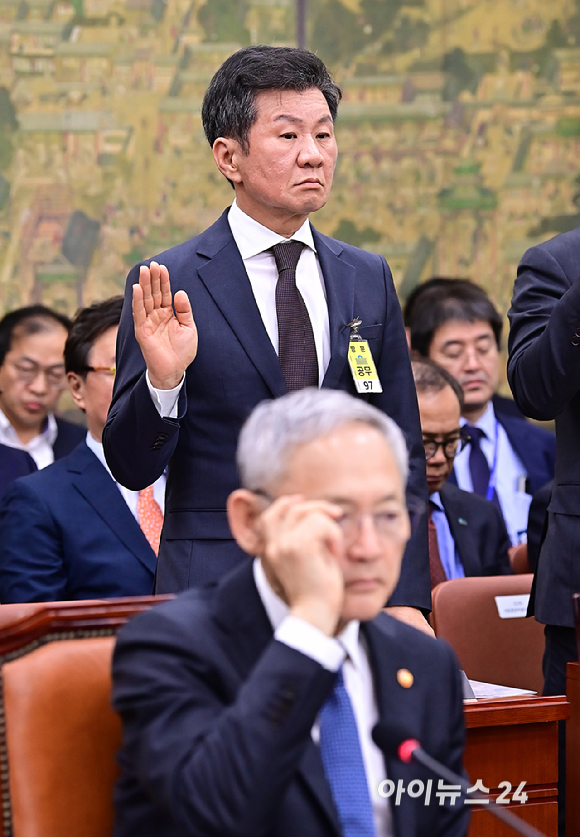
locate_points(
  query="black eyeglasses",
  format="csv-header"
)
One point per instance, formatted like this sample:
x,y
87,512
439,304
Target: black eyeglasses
x,y
451,446
110,371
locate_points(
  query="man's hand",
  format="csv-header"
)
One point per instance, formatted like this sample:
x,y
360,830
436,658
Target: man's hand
x,y
412,616
168,340
302,548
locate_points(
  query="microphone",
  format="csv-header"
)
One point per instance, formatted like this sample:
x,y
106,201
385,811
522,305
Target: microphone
x,y
394,741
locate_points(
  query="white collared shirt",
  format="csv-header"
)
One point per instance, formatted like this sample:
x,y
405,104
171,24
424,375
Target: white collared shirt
x,y
510,474
40,448
129,496
253,240
349,651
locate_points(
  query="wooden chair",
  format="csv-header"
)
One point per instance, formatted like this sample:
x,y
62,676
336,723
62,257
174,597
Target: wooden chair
x,y
58,733
489,648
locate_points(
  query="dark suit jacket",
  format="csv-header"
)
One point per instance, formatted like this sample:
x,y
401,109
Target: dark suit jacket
x,y
14,463
544,374
217,718
237,367
478,530
67,533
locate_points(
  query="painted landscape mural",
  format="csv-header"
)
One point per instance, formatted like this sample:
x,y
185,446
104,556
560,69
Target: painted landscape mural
x,y
459,133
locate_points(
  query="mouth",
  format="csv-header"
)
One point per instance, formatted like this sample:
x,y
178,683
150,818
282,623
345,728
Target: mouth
x,y
474,383
34,406
363,585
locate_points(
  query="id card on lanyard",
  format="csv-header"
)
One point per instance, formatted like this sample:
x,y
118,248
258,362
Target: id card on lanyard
x,y
360,359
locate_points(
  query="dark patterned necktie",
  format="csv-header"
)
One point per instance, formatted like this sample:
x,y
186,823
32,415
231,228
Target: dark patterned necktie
x,y
479,466
435,563
296,347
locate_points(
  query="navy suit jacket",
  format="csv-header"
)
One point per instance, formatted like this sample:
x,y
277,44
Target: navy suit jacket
x,y
14,463
479,532
236,367
544,374
67,533
217,719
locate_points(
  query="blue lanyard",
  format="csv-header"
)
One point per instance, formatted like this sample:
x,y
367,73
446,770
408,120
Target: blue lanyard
x,y
493,472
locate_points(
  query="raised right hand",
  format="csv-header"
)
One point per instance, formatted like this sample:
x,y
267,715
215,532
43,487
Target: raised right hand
x,y
168,339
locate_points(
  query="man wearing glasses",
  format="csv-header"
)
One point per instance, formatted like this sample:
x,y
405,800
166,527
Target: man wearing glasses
x,y
70,531
32,378
467,534
261,705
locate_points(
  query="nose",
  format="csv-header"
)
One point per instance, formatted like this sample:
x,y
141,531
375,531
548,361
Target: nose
x,y
471,358
438,457
38,383
367,544
309,153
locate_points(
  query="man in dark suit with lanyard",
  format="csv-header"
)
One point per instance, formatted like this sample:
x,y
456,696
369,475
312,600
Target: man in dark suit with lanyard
x,y
263,304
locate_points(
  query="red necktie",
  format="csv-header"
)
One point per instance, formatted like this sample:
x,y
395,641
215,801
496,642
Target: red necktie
x,y
437,571
150,517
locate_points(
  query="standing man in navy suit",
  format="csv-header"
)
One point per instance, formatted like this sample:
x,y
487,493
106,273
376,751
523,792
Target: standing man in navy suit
x,y
455,324
544,374
260,705
239,324
68,531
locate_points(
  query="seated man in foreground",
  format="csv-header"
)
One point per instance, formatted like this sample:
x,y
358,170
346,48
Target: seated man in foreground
x,y
236,698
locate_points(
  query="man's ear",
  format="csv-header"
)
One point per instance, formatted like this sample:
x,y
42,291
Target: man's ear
x,y
225,153
76,385
244,509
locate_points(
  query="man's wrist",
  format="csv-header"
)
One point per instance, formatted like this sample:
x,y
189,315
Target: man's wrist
x,y
317,614
167,382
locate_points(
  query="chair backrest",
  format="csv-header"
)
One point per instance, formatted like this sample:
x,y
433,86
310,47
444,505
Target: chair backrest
x,y
58,733
490,648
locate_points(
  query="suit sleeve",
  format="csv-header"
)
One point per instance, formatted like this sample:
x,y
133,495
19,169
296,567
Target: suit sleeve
x,y
496,546
399,401
217,755
31,550
137,441
544,351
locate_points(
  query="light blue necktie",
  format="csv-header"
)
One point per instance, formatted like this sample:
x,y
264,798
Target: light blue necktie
x,y
343,764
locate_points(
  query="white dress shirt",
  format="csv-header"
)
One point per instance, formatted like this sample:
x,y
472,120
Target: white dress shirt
x,y
349,651
40,448
510,474
129,496
254,242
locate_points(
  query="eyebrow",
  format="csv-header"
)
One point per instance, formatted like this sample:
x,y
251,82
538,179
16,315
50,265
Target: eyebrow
x,y
445,435
348,501
283,117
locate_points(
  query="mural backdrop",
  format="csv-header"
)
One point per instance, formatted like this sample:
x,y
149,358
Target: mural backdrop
x,y
459,132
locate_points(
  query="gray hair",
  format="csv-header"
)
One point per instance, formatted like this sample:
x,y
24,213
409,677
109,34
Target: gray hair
x,y
276,428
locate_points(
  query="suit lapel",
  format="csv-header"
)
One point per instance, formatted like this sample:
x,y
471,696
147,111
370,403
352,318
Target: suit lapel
x,y
226,280
93,482
240,612
339,281
400,710
461,532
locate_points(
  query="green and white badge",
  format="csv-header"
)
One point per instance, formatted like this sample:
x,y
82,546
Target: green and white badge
x,y
361,361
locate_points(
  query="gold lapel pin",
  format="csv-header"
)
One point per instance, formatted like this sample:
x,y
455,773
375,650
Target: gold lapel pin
x,y
405,678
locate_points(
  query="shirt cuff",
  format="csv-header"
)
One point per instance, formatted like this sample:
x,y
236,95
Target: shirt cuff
x,y
165,399
310,641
